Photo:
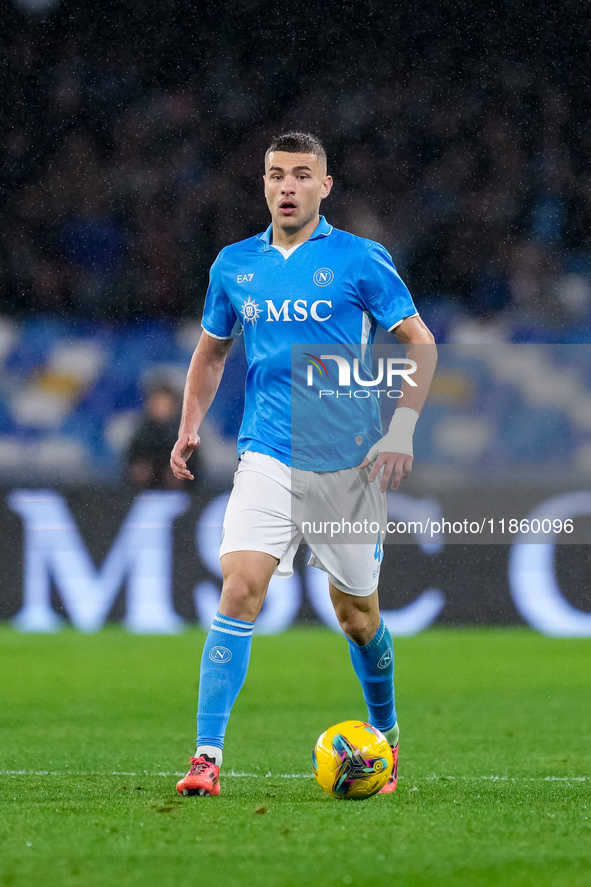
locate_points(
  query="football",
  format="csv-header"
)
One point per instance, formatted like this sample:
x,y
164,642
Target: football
x,y
352,760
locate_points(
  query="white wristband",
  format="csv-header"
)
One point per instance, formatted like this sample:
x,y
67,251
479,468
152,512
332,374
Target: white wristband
x,y
398,438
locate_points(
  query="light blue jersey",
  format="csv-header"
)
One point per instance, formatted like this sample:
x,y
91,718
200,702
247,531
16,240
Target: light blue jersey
x,y
333,288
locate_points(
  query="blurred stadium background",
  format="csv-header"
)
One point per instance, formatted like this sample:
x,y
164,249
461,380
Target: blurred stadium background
x,y
132,145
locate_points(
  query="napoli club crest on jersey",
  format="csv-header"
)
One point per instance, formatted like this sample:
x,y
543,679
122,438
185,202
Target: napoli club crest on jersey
x,y
250,311
323,277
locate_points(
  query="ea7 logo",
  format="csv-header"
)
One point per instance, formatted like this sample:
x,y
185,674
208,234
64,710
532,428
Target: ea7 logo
x,y
244,278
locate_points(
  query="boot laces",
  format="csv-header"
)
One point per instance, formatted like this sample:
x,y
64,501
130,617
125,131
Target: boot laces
x,y
198,765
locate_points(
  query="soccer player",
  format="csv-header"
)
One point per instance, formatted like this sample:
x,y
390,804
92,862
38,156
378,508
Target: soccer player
x,y
300,282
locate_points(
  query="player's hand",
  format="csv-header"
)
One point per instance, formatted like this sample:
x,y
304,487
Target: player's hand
x,y
181,452
396,466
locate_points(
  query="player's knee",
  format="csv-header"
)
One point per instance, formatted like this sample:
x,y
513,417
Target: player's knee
x,y
359,616
242,598
357,624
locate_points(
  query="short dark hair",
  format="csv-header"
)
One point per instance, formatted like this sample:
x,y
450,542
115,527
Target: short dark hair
x,y
297,143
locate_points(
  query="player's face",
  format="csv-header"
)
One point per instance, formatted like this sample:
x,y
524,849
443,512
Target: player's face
x,y
295,185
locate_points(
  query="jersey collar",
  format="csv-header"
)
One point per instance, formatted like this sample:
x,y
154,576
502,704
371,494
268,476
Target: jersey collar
x,y
323,229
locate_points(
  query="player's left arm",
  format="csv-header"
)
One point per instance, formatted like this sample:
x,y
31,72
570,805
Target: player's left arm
x,y
394,452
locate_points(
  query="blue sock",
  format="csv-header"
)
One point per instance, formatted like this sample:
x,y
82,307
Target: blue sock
x,y
374,666
223,670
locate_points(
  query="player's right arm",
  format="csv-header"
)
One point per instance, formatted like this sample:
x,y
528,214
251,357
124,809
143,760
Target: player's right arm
x,y
203,379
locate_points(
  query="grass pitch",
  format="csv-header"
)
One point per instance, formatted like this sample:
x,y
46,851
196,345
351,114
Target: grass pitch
x,y
495,764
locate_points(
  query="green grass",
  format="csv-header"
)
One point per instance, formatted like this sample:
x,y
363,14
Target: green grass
x,y
495,764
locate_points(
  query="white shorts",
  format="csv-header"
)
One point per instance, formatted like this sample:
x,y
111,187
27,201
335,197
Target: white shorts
x,y
273,507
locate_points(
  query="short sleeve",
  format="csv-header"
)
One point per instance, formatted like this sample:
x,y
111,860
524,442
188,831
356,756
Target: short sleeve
x,y
382,290
219,318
